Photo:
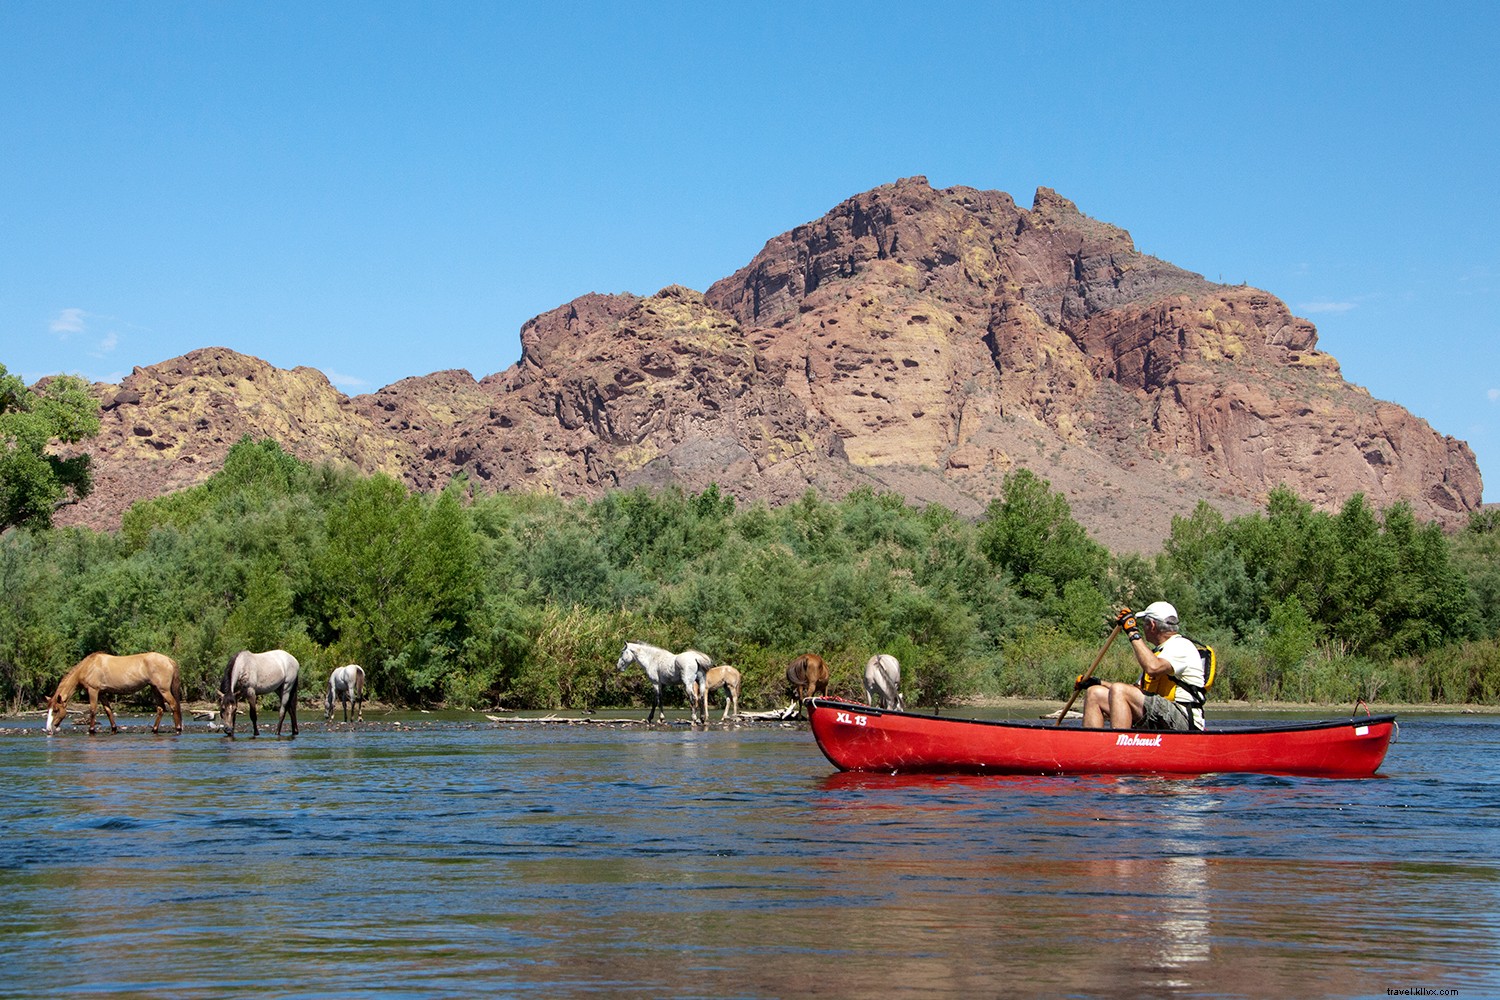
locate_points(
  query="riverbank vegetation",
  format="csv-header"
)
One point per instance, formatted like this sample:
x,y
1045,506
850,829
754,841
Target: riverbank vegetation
x,y
524,601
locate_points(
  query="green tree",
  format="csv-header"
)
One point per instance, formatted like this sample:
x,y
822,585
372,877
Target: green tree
x,y
1029,532
34,483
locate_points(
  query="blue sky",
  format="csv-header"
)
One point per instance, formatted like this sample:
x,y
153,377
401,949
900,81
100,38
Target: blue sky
x,y
380,190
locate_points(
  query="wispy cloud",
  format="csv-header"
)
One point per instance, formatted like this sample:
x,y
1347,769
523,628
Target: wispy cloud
x,y
1493,395
1316,308
73,322
68,322
346,381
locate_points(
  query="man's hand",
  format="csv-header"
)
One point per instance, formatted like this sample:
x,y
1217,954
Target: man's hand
x,y
1127,623
1085,682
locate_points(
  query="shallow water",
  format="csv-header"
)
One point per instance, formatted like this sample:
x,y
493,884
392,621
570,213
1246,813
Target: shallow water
x,y
445,858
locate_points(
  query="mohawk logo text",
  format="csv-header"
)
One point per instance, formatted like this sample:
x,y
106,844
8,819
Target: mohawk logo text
x,y
1131,740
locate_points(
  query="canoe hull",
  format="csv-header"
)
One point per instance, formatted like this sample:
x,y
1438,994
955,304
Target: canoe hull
x,y
858,737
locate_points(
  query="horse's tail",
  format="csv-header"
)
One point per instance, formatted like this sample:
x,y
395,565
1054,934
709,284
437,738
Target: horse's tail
x,y
176,685
359,681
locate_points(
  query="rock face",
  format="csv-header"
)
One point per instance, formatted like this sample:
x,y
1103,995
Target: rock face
x,y
916,340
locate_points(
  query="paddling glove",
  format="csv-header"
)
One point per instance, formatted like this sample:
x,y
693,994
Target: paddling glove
x,y
1085,682
1126,620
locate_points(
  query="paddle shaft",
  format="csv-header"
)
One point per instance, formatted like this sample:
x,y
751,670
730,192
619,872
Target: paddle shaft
x,y
1092,666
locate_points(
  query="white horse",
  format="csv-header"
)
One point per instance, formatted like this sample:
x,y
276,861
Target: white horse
x,y
688,668
250,674
883,681
346,685
726,677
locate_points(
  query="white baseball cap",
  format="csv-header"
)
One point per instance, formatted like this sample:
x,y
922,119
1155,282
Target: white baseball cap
x,y
1160,611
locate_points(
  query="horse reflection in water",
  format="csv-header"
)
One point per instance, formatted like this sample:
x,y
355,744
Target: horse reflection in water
x,y
883,682
726,677
808,676
346,685
104,676
250,674
688,668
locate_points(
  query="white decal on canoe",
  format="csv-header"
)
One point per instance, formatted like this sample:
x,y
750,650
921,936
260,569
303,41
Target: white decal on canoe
x,y
850,720
1132,740
1361,730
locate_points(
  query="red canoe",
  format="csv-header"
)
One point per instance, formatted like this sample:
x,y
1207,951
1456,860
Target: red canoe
x,y
861,738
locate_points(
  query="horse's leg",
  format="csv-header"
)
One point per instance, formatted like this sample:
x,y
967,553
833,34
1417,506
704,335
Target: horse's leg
x,y
175,705
656,704
288,706
161,706
109,712
250,704
93,711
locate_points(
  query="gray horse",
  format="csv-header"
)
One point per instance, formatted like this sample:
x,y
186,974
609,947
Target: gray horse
x,y
346,685
883,682
249,674
688,668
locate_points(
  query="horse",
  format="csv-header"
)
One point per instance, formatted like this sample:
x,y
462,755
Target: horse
x,y
104,676
883,681
347,686
250,674
688,668
808,676
726,677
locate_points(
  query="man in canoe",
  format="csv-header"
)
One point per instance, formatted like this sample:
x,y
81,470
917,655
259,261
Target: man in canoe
x,y
1170,693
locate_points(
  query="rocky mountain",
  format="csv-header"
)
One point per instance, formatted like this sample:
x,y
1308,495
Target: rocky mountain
x,y
916,340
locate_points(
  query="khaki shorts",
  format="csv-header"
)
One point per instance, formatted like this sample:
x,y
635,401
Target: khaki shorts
x,y
1159,713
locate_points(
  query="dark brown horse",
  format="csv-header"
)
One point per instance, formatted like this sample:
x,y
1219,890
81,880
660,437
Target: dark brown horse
x,y
808,676
103,676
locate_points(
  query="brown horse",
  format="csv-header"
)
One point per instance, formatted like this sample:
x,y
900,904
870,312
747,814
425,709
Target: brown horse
x,y
726,677
808,676
103,676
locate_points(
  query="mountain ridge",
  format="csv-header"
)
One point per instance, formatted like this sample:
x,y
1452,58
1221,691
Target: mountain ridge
x,y
917,340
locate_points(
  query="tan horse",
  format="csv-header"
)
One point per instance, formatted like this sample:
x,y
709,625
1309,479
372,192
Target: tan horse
x,y
808,676
103,676
726,677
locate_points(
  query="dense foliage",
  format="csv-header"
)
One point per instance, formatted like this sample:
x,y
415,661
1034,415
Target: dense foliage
x,y
524,601
33,481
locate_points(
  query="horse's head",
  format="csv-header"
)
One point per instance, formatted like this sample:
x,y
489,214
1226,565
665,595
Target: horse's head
x,y
226,710
57,714
627,657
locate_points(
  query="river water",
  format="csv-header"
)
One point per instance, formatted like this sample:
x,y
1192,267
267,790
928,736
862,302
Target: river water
x,y
448,857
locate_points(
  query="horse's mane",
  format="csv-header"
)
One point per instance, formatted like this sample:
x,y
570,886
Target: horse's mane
x,y
69,681
224,685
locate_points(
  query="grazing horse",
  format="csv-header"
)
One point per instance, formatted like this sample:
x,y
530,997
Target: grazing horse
x,y
347,686
726,677
808,676
104,676
688,668
250,674
883,681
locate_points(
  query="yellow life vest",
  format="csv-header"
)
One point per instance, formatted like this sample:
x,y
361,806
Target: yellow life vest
x,y
1167,684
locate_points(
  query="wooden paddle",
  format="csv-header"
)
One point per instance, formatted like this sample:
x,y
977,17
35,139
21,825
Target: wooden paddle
x,y
1078,690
